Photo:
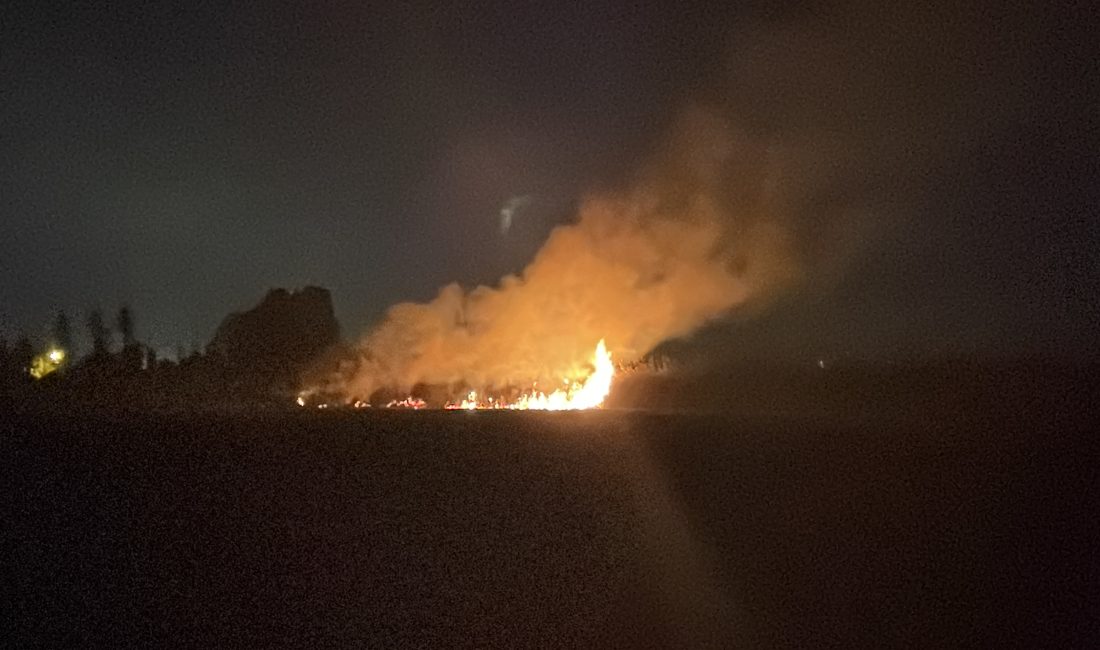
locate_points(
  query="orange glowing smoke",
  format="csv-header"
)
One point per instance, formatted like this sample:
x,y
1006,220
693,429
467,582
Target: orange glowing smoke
x,y
637,267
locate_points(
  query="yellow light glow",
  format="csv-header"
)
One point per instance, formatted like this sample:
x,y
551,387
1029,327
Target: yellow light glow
x,y
47,363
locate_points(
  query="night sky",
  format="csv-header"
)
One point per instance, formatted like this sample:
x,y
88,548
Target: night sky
x,y
186,157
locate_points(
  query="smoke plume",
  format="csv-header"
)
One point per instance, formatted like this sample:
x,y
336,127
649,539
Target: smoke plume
x,y
815,132
637,267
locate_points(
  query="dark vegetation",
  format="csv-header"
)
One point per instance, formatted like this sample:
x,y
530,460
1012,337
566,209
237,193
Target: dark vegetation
x,y
259,358
254,360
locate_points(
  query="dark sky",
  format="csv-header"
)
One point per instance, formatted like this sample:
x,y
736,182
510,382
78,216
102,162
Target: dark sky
x,y
186,157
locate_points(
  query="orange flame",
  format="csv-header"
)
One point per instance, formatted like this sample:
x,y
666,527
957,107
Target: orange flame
x,y
577,395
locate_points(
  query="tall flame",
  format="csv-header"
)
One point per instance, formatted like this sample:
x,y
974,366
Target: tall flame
x,y
578,395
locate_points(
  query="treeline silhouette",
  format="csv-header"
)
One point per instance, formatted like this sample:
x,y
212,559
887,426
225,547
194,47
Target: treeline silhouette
x,y
254,360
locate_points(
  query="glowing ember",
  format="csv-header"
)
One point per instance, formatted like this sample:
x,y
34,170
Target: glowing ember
x,y
577,395
573,396
408,403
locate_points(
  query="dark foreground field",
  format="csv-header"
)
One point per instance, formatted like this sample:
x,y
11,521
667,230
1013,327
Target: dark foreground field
x,y
613,529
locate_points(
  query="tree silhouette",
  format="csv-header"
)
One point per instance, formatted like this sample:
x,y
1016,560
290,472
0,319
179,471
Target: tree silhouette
x,y
63,332
131,357
23,354
125,324
99,333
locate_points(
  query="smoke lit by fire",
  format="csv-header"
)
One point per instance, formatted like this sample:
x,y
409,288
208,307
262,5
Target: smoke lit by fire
x,y
637,268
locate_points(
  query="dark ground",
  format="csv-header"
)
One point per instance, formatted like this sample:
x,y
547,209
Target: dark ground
x,y
924,513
